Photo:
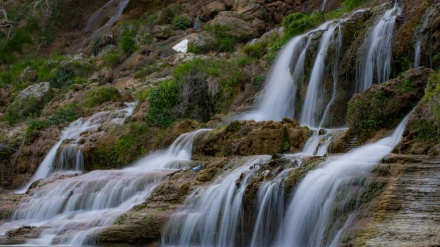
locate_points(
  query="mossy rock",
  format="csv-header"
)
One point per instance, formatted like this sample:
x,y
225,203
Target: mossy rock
x,y
253,138
384,105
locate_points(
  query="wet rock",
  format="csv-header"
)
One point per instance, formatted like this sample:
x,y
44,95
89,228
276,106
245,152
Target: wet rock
x,y
251,138
422,132
384,105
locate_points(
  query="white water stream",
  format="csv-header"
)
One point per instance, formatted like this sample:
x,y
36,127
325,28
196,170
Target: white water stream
x,y
374,62
307,217
71,210
74,131
212,214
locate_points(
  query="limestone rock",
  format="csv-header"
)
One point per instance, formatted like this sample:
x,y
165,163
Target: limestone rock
x,y
384,105
252,138
162,31
37,91
211,9
200,40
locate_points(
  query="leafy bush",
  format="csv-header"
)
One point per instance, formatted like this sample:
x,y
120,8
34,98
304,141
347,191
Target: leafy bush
x,y
181,23
62,115
298,23
62,79
128,45
111,59
255,50
99,95
162,100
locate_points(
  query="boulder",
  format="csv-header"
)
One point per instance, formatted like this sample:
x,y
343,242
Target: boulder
x,y
384,105
253,138
200,40
211,9
162,32
422,132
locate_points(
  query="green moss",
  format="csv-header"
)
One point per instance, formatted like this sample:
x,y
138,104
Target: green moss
x,y
99,95
207,175
372,190
111,59
255,50
298,23
62,115
30,107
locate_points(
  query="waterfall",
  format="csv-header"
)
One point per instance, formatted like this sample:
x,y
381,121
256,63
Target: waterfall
x,y
211,214
417,52
424,30
97,18
270,199
374,64
310,113
309,212
71,210
318,143
70,158
288,72
73,131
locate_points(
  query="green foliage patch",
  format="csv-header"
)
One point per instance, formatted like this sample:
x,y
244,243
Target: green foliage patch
x,y
101,94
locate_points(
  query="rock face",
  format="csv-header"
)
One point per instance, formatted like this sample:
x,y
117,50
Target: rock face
x,y
408,212
252,138
422,133
37,91
384,105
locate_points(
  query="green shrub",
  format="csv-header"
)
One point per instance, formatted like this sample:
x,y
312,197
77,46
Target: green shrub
x,y
128,45
298,23
111,59
131,145
181,23
99,95
162,100
62,115
255,50
171,11
62,79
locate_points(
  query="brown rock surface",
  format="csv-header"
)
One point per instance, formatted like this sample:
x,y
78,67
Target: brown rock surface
x,y
252,138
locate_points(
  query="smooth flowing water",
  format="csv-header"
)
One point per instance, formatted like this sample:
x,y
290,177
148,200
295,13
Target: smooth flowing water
x,y
374,63
114,8
73,131
312,110
211,215
270,208
71,210
307,219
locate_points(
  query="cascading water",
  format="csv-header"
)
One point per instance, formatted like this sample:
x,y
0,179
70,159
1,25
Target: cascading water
x,y
423,30
70,158
280,91
310,115
71,210
211,214
417,52
115,7
270,199
374,63
309,212
73,131
288,72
